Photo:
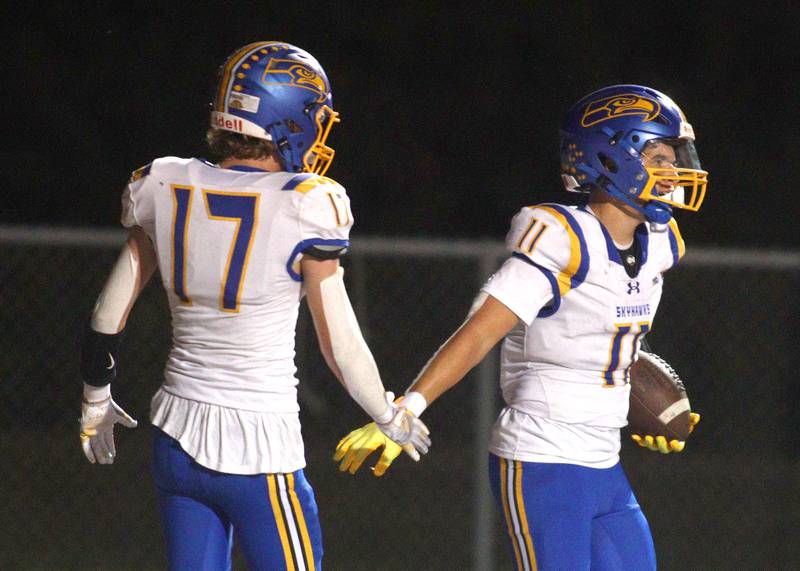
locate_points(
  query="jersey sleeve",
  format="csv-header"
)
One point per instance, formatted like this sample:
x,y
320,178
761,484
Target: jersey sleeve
x,y
137,210
543,262
325,218
538,236
521,287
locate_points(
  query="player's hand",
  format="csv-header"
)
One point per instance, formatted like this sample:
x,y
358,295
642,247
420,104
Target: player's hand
x,y
661,444
97,429
356,447
694,420
406,430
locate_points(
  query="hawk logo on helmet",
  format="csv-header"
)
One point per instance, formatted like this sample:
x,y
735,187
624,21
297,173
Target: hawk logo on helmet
x,y
620,106
292,72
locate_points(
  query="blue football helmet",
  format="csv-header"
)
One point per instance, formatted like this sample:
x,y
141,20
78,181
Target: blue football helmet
x,y
278,92
605,139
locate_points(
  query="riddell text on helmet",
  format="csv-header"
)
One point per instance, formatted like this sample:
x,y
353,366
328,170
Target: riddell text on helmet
x,y
230,124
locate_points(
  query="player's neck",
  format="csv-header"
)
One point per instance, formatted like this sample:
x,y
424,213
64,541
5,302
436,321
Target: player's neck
x,y
619,220
269,164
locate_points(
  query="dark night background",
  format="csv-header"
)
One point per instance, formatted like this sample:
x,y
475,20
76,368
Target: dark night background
x,y
450,117
450,112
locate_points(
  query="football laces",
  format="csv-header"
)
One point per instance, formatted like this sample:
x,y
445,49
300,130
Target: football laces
x,y
672,372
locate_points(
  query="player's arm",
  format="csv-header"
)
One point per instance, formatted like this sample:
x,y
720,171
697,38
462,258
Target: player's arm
x,y
524,284
540,248
99,412
463,350
488,322
314,272
660,443
348,356
133,269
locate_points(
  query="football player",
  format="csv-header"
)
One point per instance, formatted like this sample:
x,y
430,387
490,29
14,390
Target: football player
x,y
573,304
238,243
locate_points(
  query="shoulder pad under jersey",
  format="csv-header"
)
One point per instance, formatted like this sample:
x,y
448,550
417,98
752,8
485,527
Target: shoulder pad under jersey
x,y
306,181
676,246
325,205
550,237
325,218
130,213
666,247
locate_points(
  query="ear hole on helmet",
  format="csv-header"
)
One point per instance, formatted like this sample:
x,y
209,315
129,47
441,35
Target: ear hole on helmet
x,y
607,162
293,127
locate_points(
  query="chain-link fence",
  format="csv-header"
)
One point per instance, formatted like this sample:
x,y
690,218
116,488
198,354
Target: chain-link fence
x,y
728,323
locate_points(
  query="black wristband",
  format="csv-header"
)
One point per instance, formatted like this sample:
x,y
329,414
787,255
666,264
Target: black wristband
x,y
322,252
99,357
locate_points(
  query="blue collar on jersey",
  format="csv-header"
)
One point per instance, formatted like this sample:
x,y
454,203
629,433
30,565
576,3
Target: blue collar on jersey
x,y
642,234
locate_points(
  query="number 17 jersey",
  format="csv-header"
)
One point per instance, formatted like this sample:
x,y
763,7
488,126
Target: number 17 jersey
x,y
228,243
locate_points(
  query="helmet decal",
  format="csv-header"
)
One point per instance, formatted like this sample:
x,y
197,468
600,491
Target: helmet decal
x,y
234,61
620,106
243,101
290,72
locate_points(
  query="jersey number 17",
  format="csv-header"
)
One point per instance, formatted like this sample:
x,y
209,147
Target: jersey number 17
x,y
238,207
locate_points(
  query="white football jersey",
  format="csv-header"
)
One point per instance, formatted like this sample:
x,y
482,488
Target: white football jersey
x,y
564,367
228,243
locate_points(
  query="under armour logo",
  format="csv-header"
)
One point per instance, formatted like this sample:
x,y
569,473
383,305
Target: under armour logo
x,y
633,287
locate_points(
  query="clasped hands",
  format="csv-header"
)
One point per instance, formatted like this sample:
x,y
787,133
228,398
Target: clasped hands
x,y
404,432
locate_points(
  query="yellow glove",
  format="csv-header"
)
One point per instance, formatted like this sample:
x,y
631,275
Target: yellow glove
x,y
660,444
354,448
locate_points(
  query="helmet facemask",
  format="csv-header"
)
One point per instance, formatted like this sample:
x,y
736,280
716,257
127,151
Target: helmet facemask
x,y
319,156
682,178
609,140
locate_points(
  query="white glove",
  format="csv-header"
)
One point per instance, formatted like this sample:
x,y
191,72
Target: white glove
x,y
406,430
97,429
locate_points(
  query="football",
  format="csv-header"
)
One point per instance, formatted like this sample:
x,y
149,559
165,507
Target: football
x,y
658,402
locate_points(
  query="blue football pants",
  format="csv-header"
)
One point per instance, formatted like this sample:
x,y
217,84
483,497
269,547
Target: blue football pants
x,y
273,516
569,517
